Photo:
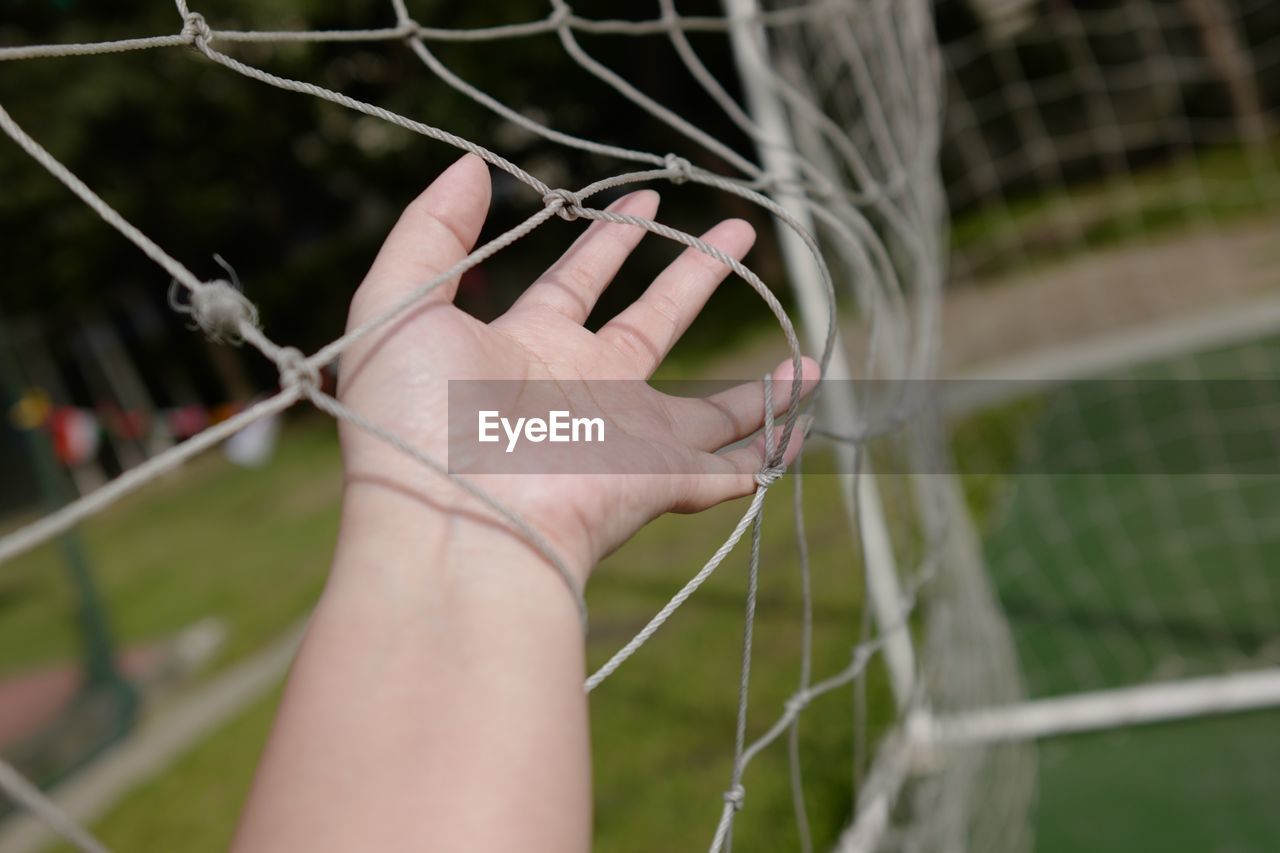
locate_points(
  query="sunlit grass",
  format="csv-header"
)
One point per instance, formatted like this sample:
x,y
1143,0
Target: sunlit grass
x,y
251,547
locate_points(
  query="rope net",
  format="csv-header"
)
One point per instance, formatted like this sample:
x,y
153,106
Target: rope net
x,y
852,185
1112,167
862,137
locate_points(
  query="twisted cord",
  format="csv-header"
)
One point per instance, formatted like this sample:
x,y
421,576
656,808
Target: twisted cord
x,y
794,765
768,475
862,655
640,99
659,619
817,180
49,51
95,202
221,310
328,404
438,68
59,521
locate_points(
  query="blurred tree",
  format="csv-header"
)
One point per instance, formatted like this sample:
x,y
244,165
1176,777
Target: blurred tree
x,y
294,192
297,193
1230,59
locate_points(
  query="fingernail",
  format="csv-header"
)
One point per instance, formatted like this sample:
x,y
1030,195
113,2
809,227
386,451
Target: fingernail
x,y
804,423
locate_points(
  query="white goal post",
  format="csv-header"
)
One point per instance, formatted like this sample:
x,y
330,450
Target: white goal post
x,y
1105,709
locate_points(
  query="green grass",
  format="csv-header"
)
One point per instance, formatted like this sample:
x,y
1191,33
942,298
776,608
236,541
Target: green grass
x,y
1118,576
663,726
252,547
248,546
1201,785
193,805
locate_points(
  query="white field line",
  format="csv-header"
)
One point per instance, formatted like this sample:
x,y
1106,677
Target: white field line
x,y
162,738
1190,332
1109,709
158,741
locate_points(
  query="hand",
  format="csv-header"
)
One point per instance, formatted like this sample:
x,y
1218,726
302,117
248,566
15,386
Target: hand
x,y
440,669
397,376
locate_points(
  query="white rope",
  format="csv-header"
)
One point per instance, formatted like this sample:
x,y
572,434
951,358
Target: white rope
x,y
60,521
633,645
794,766
735,796
223,311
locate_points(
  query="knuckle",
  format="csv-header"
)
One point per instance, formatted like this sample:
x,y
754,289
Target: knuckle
x,y
578,279
733,425
570,279
631,344
665,309
566,292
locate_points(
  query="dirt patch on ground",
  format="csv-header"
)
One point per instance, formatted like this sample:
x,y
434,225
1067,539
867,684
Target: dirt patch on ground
x,y
1097,293
1077,299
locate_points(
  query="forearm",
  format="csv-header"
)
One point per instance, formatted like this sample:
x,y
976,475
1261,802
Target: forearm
x,y
436,702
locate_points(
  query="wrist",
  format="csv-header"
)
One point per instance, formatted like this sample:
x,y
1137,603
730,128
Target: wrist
x,y
444,547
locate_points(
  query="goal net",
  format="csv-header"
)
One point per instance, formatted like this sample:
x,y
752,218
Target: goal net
x,y
1090,548
820,118
1112,174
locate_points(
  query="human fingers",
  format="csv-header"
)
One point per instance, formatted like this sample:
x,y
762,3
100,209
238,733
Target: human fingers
x,y
648,328
434,232
571,286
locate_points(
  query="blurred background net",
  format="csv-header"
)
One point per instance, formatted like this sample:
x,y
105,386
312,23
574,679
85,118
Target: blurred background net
x,y
1106,173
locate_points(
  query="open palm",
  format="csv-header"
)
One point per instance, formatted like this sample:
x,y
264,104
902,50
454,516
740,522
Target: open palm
x,y
398,377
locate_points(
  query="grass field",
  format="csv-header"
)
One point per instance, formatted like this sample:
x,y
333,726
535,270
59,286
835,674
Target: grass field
x,y
251,547
1105,579
1118,575
1096,593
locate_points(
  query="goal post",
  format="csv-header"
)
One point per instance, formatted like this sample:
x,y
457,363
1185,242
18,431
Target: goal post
x,y
1230,693
862,505
1107,176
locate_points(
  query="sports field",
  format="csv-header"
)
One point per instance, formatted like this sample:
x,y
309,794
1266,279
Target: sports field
x,y
1108,579
1148,564
252,547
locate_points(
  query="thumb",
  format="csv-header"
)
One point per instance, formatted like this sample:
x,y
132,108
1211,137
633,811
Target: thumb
x,y
436,230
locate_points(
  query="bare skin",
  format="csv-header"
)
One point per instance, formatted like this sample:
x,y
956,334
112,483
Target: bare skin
x,y
437,700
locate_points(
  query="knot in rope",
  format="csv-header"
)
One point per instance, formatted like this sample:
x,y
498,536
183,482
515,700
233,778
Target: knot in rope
x,y
734,797
296,371
564,203
769,475
560,15
197,29
797,703
680,168
218,308
773,468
